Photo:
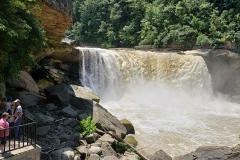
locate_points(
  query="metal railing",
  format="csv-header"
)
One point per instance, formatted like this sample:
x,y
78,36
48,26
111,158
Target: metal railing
x,y
27,135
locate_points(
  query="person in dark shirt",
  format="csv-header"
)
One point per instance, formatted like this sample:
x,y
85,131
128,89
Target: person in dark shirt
x,y
11,119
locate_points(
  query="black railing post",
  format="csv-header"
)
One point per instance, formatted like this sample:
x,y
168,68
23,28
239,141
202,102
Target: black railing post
x,y
27,130
35,134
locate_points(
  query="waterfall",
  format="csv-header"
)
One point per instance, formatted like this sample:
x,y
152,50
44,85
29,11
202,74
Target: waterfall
x,y
109,72
164,95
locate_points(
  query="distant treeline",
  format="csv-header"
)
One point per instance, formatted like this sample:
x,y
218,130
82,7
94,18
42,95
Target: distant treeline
x,y
123,23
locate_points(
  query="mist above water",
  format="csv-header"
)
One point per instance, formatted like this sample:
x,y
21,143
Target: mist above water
x,y
167,97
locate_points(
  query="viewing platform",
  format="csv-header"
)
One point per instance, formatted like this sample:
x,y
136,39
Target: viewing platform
x,y
24,148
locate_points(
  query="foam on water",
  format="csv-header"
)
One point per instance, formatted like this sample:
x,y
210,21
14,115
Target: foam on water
x,y
177,123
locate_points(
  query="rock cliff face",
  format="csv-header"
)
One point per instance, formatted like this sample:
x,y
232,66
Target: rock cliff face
x,y
56,16
223,66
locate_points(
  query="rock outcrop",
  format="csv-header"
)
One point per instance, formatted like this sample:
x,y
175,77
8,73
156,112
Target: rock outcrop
x,y
211,152
23,81
57,94
56,16
223,66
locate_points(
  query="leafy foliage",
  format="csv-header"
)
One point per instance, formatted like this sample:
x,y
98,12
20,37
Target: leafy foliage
x,y
122,147
21,35
156,22
86,126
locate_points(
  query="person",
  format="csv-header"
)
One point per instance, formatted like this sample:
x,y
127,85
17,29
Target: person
x,y
3,105
4,133
11,119
8,103
18,117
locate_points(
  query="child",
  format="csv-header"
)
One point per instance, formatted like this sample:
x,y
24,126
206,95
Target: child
x,y
4,133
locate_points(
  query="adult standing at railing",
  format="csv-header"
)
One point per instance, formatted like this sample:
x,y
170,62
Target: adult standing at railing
x,y
4,133
18,118
11,118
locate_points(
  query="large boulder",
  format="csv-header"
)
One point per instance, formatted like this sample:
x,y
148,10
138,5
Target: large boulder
x,y
43,120
82,104
23,81
43,83
27,98
128,125
159,155
106,121
211,153
69,112
57,94
62,154
42,131
82,92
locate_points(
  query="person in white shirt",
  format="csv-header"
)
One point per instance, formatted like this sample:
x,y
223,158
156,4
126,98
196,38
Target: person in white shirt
x,y
18,117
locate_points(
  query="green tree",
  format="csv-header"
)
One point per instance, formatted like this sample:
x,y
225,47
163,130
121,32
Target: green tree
x,y
21,35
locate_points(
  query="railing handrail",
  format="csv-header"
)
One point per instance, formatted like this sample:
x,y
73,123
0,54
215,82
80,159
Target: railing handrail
x,y
28,133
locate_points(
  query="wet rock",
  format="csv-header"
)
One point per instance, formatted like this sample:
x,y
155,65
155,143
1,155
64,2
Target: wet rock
x,y
211,152
128,125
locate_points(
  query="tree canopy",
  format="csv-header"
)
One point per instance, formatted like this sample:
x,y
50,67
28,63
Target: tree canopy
x,y
21,35
117,23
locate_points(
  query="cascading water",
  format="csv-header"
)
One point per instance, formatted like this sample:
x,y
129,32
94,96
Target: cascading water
x,y
167,97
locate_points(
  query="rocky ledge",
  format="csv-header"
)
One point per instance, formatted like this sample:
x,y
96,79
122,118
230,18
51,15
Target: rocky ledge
x,y
56,17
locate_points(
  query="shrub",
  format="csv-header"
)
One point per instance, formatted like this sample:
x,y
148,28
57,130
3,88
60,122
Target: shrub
x,y
122,147
86,126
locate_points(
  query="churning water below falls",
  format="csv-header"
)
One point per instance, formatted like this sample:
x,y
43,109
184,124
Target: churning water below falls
x,y
168,98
